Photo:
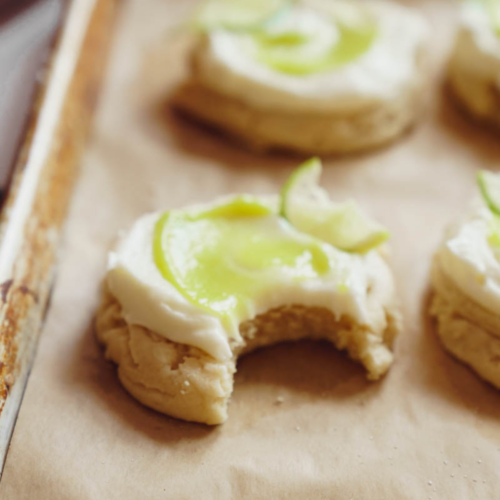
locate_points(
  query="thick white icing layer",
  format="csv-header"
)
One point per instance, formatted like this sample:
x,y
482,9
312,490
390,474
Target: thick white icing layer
x,y
147,299
382,73
471,261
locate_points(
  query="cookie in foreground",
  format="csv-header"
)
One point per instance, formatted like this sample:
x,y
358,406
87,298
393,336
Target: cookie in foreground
x,y
315,77
474,69
188,291
466,282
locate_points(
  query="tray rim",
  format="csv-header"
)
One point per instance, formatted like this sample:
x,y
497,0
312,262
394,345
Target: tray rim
x,y
34,211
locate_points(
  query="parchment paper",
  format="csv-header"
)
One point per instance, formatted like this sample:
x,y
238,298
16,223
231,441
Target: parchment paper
x,y
429,430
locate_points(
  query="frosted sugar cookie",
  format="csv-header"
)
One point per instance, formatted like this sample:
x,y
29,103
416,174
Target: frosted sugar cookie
x,y
466,280
312,76
474,71
188,291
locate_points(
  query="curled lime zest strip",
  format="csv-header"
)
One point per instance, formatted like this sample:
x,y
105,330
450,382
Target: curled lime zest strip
x,y
308,207
310,168
162,263
159,254
489,186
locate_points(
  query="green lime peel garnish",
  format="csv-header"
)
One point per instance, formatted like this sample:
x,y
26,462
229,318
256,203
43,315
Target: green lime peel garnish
x,y
308,207
489,186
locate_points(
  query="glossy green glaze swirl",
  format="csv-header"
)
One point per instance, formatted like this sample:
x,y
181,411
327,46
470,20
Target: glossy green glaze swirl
x,y
222,258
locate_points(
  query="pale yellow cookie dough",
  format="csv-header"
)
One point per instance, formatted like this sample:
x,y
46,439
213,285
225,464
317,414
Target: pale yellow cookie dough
x,y
467,330
185,382
314,133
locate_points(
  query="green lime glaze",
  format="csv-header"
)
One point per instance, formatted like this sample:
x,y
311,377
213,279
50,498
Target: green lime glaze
x,y
222,258
285,52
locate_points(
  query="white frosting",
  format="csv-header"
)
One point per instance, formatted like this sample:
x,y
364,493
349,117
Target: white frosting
x,y
476,56
471,262
147,299
476,21
382,73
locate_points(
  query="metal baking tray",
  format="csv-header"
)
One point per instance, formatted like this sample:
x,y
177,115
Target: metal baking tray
x,y
35,205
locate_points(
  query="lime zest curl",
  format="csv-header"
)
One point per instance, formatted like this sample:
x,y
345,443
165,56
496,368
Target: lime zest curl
x,y
489,187
308,207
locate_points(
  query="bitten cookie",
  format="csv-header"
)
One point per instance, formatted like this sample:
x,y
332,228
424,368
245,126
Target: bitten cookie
x,y
187,383
474,69
321,77
189,291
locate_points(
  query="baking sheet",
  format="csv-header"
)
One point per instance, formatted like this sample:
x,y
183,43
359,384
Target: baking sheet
x,y
26,32
39,193
429,430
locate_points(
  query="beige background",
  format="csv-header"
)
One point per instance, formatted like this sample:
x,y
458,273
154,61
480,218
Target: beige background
x,y
429,430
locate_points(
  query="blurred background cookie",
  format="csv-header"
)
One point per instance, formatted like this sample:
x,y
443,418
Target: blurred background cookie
x,y
474,71
313,77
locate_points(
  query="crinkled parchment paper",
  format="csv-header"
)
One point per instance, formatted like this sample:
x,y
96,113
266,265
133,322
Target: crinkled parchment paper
x,y
429,430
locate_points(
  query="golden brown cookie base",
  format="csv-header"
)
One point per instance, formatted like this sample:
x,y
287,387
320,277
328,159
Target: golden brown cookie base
x,y
185,382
